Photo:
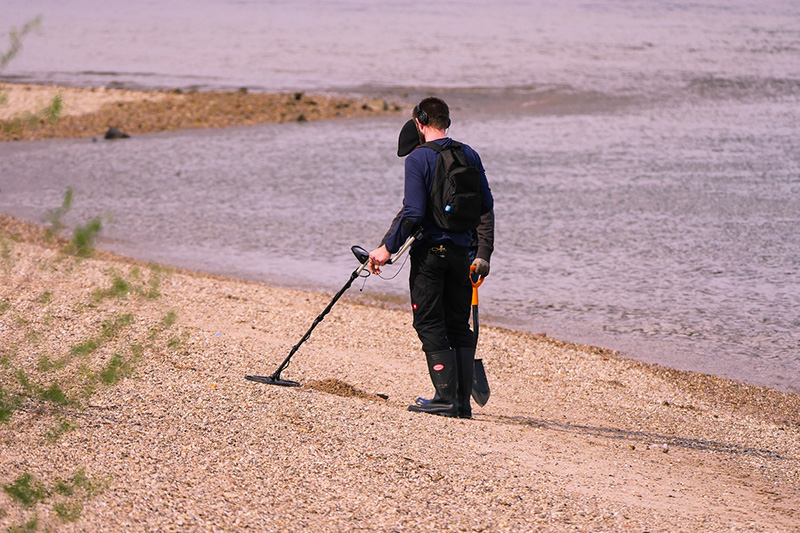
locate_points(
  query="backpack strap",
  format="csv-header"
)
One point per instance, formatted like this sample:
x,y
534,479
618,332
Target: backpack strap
x,y
433,145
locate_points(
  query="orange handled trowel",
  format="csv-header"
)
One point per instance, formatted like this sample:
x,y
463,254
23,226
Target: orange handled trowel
x,y
480,385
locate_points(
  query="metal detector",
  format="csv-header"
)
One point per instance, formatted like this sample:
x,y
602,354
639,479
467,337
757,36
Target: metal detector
x,y
363,257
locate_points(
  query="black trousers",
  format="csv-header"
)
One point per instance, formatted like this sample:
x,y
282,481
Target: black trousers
x,y
441,296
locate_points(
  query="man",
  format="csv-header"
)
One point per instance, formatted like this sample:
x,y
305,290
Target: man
x,y
439,278
482,244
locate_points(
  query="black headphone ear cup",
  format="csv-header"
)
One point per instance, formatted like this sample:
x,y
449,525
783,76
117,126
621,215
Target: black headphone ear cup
x,y
422,116
448,123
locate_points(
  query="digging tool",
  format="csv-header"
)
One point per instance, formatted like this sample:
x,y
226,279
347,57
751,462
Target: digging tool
x,y
480,385
363,257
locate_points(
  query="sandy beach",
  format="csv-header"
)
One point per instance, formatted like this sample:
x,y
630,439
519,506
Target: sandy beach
x,y
123,403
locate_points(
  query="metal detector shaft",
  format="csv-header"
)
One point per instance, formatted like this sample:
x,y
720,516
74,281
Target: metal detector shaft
x,y
353,276
363,258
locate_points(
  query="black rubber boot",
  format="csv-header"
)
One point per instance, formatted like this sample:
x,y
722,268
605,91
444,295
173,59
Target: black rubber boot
x,y
424,401
465,363
442,368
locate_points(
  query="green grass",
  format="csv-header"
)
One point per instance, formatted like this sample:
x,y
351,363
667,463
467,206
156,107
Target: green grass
x,y
63,426
9,402
28,527
166,322
46,364
45,298
55,395
71,493
86,347
54,216
27,490
53,111
69,511
121,287
5,254
169,319
15,36
112,327
109,330
83,237
23,380
113,371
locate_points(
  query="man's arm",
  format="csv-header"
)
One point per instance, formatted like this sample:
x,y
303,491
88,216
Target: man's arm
x,y
484,241
485,236
393,225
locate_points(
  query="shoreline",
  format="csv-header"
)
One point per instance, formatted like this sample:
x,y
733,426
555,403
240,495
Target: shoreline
x,y
27,113
156,419
123,403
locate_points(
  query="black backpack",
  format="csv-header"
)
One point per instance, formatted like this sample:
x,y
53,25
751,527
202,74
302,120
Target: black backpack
x,y
454,202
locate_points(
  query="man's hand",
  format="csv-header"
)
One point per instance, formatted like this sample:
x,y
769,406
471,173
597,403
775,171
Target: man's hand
x,y
481,267
378,258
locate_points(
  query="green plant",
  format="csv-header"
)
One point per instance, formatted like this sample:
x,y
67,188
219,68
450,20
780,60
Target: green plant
x,y
5,305
54,216
112,327
9,402
120,288
63,426
53,111
27,386
32,336
109,329
113,370
16,37
69,511
5,254
28,527
86,347
169,319
45,298
83,237
27,490
46,364
55,395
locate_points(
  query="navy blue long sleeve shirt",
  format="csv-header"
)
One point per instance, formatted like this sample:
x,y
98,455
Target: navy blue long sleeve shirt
x,y
420,171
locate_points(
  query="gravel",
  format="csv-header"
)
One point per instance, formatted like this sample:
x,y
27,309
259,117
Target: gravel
x,y
573,438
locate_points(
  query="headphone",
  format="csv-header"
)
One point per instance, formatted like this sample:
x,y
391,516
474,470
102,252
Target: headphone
x,y
422,116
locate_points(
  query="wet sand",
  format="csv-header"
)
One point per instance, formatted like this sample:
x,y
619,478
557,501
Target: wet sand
x,y
124,406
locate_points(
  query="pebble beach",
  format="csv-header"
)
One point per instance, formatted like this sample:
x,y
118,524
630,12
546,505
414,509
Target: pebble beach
x,y
91,111
123,403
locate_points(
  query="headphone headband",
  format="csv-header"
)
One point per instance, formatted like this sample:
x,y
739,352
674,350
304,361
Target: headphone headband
x,y
422,116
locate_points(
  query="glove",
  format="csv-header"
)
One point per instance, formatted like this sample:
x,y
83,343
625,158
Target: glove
x,y
481,267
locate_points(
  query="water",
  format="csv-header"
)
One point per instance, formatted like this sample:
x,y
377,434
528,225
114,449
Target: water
x,y
643,157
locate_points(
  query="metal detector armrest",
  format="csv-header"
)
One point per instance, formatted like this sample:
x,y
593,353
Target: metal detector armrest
x,y
406,245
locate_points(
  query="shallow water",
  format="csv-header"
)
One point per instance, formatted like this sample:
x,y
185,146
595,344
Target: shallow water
x,y
643,158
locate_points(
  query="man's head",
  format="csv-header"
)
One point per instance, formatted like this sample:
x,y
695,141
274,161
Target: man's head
x,y
432,112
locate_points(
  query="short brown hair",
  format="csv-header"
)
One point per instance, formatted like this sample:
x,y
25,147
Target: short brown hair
x,y
436,110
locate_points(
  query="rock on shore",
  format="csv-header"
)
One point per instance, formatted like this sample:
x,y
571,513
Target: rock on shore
x,y
124,407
